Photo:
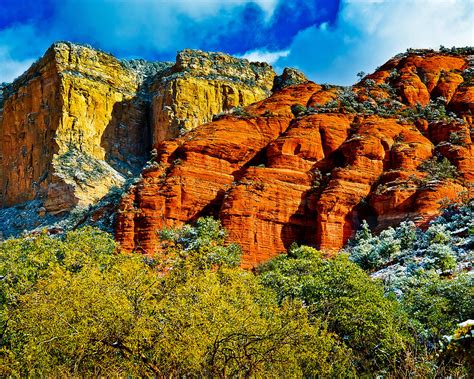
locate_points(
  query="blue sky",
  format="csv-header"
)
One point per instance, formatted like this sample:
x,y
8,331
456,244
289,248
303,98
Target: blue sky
x,y
330,40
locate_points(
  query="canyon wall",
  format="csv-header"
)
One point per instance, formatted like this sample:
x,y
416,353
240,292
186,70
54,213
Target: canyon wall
x,y
201,85
309,163
80,122
72,111
277,159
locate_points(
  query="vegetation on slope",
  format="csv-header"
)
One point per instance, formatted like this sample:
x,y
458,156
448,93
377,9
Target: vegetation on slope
x,y
74,305
429,272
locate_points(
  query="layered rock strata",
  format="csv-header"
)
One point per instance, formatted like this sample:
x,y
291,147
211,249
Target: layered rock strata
x,y
201,85
79,121
69,114
311,162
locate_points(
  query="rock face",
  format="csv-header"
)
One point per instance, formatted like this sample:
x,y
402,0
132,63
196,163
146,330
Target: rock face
x,y
72,111
309,163
79,121
201,85
277,159
289,77
192,173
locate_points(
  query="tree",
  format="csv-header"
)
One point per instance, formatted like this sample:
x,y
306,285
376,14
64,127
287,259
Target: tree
x,y
439,169
350,303
436,305
85,311
361,75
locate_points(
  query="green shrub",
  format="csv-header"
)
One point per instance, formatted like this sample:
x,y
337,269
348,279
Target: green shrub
x,y
457,138
298,110
428,278
436,305
439,169
241,112
352,305
71,307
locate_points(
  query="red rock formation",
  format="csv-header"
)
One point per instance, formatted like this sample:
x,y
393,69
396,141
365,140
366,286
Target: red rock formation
x,y
421,77
274,178
275,205
197,169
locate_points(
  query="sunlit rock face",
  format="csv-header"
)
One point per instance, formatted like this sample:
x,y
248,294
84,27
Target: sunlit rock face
x,y
72,127
79,121
277,159
310,162
201,85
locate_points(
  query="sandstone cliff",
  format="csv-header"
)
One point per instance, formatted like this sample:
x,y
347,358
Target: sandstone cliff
x,y
310,162
201,85
277,158
72,111
79,121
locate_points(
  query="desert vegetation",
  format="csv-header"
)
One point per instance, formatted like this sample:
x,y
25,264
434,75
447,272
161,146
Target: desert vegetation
x,y
73,305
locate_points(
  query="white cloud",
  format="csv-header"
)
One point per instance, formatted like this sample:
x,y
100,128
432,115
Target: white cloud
x,y
10,69
152,25
367,33
202,8
13,64
264,55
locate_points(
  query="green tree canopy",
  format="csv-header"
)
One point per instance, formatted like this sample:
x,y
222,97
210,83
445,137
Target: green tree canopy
x,y
72,306
341,294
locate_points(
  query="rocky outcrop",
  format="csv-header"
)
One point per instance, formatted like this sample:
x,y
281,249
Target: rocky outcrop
x,y
69,114
289,77
424,75
277,159
201,85
79,121
193,173
311,162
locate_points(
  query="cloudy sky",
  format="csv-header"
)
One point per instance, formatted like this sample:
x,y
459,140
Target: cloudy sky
x,y
329,40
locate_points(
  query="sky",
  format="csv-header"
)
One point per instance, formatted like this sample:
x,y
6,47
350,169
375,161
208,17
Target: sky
x,y
329,40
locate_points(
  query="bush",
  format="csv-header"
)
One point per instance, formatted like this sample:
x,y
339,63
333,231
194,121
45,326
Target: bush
x,y
317,179
241,112
71,307
371,252
426,276
398,253
298,110
199,247
352,305
439,169
457,138
436,305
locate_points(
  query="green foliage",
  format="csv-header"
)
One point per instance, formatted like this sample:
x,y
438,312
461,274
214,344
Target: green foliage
x,y
457,138
348,102
410,249
199,247
425,272
241,112
468,50
72,307
317,179
439,169
298,110
435,111
371,252
361,75
459,345
436,305
352,305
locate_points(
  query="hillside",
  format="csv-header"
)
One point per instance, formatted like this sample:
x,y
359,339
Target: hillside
x,y
277,159
312,161
209,218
